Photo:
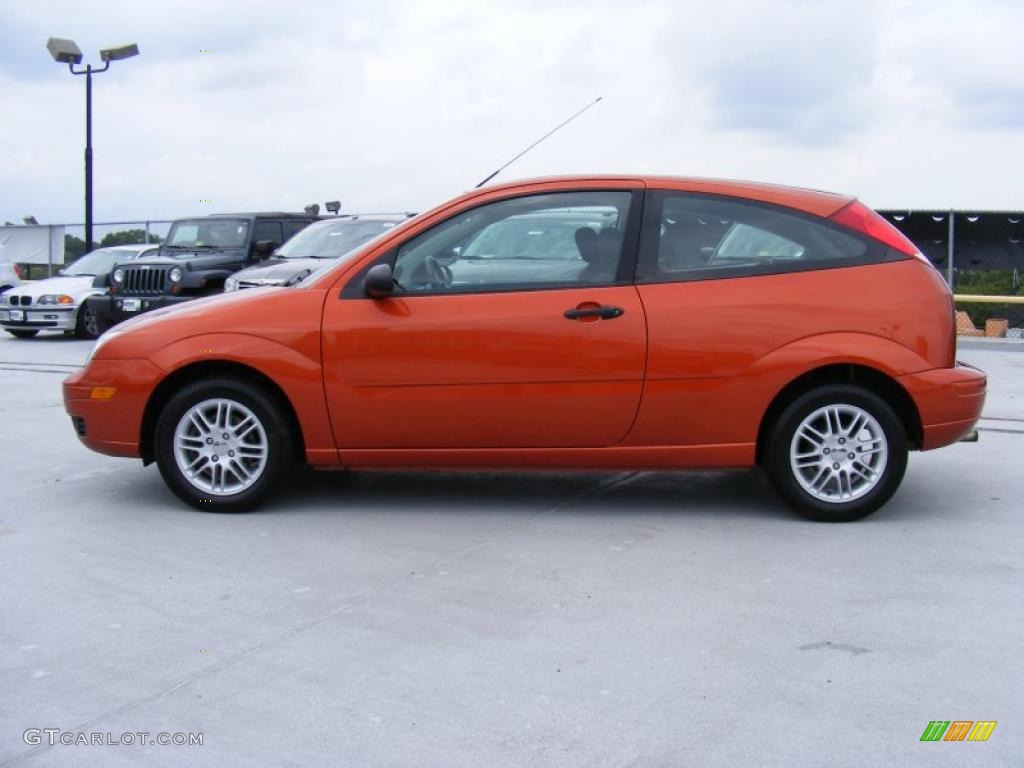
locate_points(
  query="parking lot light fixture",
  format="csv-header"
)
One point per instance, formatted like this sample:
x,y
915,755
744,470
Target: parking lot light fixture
x,y
67,52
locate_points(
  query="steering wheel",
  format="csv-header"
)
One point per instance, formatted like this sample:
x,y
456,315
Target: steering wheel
x,y
440,276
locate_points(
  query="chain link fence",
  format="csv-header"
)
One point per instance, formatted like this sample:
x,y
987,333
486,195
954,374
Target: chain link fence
x,y
41,250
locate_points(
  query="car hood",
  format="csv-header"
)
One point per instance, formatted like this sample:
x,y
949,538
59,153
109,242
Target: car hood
x,y
193,259
287,316
279,270
72,286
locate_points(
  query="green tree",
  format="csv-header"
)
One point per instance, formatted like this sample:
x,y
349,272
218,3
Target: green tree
x,y
73,248
128,237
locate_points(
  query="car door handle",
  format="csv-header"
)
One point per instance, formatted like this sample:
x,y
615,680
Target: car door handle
x,y
605,313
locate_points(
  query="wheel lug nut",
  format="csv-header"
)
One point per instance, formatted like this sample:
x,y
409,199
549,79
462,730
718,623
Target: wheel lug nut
x,y
209,441
226,435
834,466
852,455
232,454
217,458
842,441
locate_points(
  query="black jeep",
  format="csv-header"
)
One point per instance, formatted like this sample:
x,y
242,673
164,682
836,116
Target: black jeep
x,y
195,260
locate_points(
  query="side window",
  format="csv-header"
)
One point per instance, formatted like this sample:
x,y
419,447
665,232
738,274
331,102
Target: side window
x,y
555,240
293,227
702,237
267,230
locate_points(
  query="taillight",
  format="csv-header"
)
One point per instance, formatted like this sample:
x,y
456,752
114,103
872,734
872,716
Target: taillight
x,y
860,218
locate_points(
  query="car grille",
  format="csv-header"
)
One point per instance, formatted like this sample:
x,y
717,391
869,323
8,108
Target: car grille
x,y
144,281
23,301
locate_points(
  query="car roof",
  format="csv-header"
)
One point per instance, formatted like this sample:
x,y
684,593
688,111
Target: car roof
x,y
259,215
812,201
348,217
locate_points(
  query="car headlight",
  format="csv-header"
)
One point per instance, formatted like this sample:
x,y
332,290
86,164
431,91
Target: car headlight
x,y
175,275
55,298
118,275
231,284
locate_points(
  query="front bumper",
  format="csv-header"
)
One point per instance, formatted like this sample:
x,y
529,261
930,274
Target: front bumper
x,y
112,425
39,318
113,307
949,401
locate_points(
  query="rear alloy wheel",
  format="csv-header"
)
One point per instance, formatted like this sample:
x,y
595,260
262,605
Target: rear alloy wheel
x,y
222,444
837,453
22,334
90,325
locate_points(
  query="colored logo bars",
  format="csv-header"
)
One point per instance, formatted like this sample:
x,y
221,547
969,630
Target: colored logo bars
x,y
958,730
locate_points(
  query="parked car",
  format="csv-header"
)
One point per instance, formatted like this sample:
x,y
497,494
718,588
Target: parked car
x,y
195,260
567,323
308,250
60,303
10,276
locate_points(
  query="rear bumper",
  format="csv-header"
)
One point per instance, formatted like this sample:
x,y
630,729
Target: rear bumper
x,y
949,401
113,425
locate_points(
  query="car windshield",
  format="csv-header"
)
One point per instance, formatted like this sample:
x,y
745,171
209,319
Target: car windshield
x,y
207,233
98,262
331,239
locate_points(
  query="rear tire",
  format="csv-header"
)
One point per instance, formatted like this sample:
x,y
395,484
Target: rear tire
x,y
837,453
222,444
22,334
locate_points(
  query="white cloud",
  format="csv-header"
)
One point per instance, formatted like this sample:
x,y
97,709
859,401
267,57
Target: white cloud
x,y
401,105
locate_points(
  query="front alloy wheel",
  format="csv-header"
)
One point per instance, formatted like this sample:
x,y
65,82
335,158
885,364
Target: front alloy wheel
x,y
222,444
837,453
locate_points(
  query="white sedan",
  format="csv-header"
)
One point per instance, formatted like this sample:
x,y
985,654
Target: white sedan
x,y
58,303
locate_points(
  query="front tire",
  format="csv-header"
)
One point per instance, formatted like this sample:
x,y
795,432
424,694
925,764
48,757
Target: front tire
x,y
222,444
90,324
837,453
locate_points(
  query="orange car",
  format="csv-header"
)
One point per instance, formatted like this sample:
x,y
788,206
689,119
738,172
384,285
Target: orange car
x,y
566,323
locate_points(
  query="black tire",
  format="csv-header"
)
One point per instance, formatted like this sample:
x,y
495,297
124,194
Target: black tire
x,y
90,323
267,409
783,475
22,334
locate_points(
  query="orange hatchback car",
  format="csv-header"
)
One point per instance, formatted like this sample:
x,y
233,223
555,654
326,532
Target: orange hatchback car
x,y
567,323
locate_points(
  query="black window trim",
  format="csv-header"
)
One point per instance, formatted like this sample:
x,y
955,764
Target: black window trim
x,y
624,275
647,251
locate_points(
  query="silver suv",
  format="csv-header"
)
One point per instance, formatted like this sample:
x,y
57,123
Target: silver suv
x,y
310,249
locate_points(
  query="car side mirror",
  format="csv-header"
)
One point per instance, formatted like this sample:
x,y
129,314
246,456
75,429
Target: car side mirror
x,y
379,281
263,248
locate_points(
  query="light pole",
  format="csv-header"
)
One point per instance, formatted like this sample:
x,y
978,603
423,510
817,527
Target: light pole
x,y
68,52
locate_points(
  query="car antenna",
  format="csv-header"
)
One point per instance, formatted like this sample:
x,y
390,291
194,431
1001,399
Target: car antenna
x,y
538,141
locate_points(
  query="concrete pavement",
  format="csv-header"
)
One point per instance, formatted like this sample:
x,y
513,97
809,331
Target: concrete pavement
x,y
504,619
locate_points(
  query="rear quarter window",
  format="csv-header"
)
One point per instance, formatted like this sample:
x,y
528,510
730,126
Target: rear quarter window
x,y
704,237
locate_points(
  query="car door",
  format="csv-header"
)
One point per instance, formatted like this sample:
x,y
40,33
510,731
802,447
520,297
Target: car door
x,y
726,283
514,324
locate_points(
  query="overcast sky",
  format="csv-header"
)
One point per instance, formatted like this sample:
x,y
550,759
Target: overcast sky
x,y
398,106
